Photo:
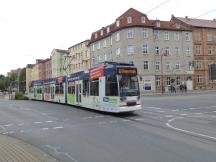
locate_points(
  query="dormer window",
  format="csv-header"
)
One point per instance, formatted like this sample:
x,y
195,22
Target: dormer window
x,y
129,20
143,19
95,35
117,23
108,29
101,32
158,23
177,25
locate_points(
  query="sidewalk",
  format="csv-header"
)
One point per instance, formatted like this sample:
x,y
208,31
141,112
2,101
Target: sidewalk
x,y
178,93
13,150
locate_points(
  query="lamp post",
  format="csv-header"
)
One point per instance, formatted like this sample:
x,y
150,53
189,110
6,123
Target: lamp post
x,y
161,60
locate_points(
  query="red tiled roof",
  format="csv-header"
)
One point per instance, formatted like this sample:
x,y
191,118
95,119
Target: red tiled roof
x,y
198,22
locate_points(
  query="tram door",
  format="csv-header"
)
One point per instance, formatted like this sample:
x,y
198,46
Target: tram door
x,y
78,92
52,92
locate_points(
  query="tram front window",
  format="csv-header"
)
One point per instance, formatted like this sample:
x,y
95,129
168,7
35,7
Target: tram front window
x,y
128,85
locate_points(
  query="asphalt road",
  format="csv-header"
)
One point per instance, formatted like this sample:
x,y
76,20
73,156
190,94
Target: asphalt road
x,y
167,129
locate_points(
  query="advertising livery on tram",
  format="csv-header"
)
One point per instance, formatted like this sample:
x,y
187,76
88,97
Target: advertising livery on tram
x,y
111,87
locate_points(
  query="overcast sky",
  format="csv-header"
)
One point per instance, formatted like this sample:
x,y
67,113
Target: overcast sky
x,y
30,29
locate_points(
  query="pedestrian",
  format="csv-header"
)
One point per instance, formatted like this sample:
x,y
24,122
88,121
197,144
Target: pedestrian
x,y
181,88
185,88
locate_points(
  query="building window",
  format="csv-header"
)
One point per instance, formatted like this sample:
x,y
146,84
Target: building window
x,y
188,53
158,23
210,50
118,52
209,37
197,37
187,37
104,43
129,20
157,50
98,45
198,65
197,49
145,49
176,36
146,65
177,65
101,33
130,49
117,23
158,81
177,51
166,36
95,35
178,81
108,29
157,66
168,66
156,35
117,37
130,33
167,51
178,25
145,33
168,81
93,47
200,78
190,65
143,19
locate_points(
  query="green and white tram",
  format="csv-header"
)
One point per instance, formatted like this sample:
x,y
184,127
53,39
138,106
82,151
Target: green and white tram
x,y
111,87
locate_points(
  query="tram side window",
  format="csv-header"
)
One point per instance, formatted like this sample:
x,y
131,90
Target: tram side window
x,y
71,89
94,88
86,87
111,86
39,90
59,89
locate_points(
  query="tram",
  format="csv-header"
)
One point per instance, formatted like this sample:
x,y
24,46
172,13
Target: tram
x,y
110,86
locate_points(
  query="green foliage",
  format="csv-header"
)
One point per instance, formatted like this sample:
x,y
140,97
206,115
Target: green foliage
x,y
20,96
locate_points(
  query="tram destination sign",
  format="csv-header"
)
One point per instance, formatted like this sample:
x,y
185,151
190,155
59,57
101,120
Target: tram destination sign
x,y
127,71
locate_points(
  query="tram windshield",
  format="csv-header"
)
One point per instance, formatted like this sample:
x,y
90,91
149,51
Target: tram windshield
x,y
128,85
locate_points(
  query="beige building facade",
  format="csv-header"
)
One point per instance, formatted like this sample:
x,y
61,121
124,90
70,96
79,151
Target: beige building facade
x,y
161,50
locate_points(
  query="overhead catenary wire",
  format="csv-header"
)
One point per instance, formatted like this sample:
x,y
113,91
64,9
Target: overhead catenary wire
x,y
205,13
157,6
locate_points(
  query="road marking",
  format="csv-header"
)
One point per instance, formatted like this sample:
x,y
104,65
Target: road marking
x,y
157,108
58,127
113,121
198,113
20,124
139,119
169,116
49,121
90,117
214,111
22,131
193,108
45,128
160,111
37,122
99,116
175,110
100,123
186,131
126,120
147,112
183,114
5,133
8,125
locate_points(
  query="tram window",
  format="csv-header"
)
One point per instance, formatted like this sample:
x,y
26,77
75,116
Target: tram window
x,y
59,89
111,86
71,89
85,87
94,88
39,90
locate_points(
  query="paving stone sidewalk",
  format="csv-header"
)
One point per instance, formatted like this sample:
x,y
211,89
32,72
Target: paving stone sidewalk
x,y
14,150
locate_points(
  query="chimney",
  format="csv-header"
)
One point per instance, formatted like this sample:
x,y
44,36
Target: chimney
x,y
214,19
186,17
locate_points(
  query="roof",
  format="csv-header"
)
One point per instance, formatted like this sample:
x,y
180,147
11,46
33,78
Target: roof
x,y
198,22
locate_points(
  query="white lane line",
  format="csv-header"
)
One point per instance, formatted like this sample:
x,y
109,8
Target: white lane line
x,y
49,121
160,111
37,122
157,108
58,127
139,119
183,114
198,113
169,116
193,108
147,112
126,120
5,133
186,131
20,124
8,125
45,128
89,117
99,116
